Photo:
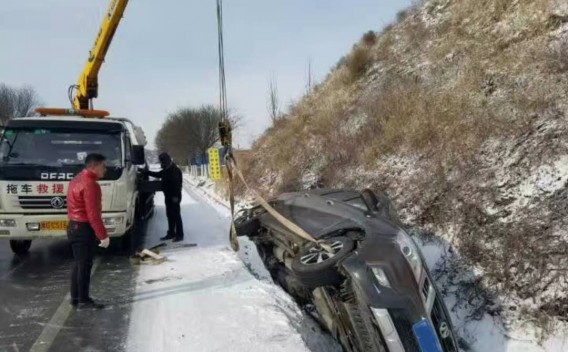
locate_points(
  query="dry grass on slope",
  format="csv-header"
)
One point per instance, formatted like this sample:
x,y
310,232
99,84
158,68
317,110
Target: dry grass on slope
x,y
451,110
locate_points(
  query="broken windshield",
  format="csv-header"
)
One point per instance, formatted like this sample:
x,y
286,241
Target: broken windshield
x,y
57,147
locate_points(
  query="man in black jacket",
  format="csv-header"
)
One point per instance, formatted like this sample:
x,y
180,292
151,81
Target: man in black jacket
x,y
172,182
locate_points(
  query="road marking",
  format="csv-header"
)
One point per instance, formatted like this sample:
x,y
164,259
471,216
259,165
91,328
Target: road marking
x,y
52,328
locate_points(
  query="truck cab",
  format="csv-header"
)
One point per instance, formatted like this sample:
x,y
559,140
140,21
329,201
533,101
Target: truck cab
x,y
40,155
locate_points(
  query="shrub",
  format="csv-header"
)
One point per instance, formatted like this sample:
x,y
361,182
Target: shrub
x,y
370,38
402,15
358,61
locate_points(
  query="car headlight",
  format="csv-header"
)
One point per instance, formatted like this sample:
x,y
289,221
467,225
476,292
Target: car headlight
x,y
7,223
410,251
381,276
113,221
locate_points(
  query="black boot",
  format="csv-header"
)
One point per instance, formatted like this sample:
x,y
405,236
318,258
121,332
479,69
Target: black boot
x,y
169,236
90,305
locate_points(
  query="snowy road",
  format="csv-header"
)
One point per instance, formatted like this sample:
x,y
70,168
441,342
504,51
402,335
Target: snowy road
x,y
35,314
208,299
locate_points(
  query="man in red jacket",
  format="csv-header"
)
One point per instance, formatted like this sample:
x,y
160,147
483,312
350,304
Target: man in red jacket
x,y
86,228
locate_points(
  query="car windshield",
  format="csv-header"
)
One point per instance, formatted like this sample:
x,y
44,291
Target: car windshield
x,y
57,147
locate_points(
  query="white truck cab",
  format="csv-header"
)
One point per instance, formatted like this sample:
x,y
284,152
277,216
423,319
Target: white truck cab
x,y
40,155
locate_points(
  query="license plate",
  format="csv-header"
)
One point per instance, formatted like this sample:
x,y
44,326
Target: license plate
x,y
53,225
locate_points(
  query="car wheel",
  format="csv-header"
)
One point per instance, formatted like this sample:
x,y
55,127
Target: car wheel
x,y
315,267
370,200
246,224
20,247
364,333
380,202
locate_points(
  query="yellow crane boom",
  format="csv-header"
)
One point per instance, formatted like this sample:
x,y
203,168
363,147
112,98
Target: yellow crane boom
x,y
87,85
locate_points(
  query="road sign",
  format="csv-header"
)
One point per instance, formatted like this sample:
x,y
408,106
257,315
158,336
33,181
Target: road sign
x,y
214,164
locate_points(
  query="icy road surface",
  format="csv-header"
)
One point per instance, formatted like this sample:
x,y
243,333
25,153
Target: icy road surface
x,y
207,298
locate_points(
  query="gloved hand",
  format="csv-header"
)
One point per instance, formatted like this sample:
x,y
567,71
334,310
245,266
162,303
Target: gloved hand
x,y
175,200
105,243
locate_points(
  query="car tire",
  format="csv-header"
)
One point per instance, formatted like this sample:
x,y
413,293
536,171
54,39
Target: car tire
x,y
315,268
20,247
388,209
381,203
246,224
365,335
131,238
370,200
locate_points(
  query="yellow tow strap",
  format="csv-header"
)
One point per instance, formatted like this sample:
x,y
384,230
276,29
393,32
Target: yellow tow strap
x,y
295,229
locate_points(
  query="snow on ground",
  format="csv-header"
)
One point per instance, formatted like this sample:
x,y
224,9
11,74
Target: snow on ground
x,y
208,298
489,334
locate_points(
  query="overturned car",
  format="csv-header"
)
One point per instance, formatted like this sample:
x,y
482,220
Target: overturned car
x,y
372,291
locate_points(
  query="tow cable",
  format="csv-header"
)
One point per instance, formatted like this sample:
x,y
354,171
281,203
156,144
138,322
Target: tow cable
x,y
225,136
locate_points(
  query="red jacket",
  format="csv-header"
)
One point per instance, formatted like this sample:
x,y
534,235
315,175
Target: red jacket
x,y
84,202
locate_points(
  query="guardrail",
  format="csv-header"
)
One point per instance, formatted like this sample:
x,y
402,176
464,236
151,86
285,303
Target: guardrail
x,y
199,170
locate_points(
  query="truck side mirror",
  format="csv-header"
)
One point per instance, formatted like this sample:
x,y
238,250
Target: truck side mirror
x,y
137,155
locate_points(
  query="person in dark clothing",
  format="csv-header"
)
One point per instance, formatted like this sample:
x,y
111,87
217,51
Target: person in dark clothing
x,y
86,228
172,183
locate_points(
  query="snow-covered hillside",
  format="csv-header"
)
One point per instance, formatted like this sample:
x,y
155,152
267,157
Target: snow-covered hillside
x,y
459,112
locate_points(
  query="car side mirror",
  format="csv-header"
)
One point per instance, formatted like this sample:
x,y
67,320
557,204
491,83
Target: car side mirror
x,y
137,155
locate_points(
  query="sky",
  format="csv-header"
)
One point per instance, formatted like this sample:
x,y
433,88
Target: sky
x,y
164,54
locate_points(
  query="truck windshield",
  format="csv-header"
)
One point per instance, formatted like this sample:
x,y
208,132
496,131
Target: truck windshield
x,y
57,147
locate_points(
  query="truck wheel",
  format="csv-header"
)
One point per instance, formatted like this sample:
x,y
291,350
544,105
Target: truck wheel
x,y
315,267
20,247
130,238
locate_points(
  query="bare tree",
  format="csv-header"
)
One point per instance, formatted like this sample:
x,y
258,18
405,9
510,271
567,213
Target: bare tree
x,y
17,102
189,132
273,103
309,79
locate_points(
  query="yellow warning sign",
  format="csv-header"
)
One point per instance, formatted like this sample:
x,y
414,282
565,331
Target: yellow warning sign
x,y
214,164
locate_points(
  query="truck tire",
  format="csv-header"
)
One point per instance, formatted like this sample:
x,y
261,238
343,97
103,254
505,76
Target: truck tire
x,y
129,240
20,247
314,267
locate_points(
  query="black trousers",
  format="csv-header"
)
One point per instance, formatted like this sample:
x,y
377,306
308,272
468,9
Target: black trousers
x,y
173,212
83,243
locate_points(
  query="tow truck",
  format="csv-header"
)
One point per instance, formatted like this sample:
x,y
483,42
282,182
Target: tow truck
x,y
40,155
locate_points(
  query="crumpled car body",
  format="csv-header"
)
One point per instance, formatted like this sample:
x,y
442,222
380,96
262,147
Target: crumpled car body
x,y
373,291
